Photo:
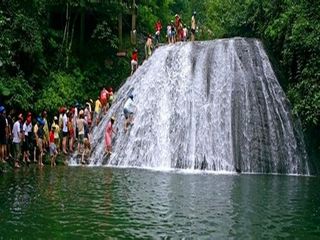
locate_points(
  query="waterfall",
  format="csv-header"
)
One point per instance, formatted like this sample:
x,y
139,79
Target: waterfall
x,y
214,105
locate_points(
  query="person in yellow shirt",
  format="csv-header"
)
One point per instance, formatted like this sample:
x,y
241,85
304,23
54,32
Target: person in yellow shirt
x,y
97,111
55,126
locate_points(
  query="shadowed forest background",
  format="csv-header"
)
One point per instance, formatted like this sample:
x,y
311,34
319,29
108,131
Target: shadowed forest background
x,y
54,53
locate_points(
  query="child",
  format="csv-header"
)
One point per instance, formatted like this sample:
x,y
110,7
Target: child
x,y
53,147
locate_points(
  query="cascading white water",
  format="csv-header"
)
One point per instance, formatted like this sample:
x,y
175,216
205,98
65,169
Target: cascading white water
x,y
214,105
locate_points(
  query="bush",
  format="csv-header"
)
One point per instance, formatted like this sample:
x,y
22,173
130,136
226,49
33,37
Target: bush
x,y
63,89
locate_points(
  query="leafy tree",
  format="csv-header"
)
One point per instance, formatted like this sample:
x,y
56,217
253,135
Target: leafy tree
x,y
62,90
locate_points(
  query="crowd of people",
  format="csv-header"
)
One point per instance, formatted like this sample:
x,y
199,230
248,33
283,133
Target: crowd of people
x,y
27,138
176,31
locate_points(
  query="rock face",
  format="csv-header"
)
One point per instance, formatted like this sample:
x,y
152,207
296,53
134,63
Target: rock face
x,y
214,105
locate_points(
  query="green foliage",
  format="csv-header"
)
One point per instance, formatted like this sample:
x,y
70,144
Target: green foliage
x,y
291,29
62,90
305,97
16,93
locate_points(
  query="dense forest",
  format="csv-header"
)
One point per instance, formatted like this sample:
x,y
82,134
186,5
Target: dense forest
x,y
56,52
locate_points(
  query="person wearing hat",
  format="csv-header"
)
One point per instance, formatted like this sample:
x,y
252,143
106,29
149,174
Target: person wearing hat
x,y
88,106
3,134
17,134
128,112
134,61
108,136
55,126
193,26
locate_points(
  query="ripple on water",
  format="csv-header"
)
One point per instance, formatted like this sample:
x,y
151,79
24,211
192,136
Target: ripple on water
x,y
134,203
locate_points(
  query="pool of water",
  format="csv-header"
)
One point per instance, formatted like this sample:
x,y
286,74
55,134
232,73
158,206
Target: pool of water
x,y
100,203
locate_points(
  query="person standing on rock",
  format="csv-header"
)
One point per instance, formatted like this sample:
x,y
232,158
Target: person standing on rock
x,y
64,131
193,26
104,98
128,112
134,61
40,138
148,46
158,27
97,112
52,147
80,126
108,136
17,137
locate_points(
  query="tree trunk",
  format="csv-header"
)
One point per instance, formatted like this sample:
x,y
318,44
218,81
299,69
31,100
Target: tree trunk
x,y
120,26
82,26
65,40
66,27
133,24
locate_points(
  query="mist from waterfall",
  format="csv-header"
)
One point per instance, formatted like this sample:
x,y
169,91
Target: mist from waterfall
x,y
214,105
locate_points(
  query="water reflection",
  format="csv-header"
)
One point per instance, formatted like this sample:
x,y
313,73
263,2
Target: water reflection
x,y
131,203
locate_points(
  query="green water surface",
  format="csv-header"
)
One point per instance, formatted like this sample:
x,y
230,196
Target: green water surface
x,y
104,203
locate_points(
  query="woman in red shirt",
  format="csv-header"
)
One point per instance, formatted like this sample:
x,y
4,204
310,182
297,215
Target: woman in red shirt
x,y
134,61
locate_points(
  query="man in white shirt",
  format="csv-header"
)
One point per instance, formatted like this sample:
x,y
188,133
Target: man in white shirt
x,y
27,130
17,136
64,132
